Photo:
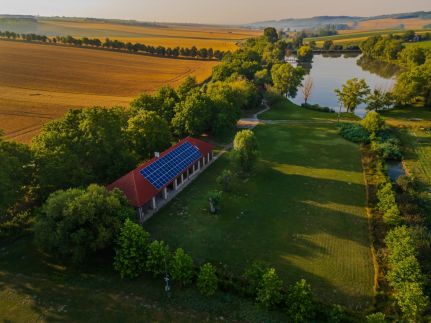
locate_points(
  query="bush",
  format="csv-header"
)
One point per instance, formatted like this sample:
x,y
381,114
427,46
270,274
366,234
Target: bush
x,y
411,300
254,275
245,151
376,318
214,200
354,132
207,280
300,302
373,122
158,258
78,222
269,290
181,267
225,179
337,314
388,149
131,250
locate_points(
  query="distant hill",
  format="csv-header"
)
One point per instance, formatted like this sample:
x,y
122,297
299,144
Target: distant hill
x,y
343,21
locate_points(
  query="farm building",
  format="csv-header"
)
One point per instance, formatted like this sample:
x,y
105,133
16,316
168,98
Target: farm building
x,y
151,185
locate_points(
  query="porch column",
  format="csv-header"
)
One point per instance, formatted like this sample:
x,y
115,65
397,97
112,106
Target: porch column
x,y
176,183
165,193
208,158
188,173
153,203
199,165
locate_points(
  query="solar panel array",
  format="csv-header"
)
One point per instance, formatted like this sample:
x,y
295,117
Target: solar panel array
x,y
166,168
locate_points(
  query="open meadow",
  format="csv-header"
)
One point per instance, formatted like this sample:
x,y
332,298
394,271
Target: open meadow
x,y
41,82
301,211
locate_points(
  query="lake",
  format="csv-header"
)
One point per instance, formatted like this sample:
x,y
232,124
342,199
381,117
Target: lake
x,y
331,71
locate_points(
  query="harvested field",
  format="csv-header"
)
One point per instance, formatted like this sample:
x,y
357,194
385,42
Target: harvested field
x,y
411,23
41,82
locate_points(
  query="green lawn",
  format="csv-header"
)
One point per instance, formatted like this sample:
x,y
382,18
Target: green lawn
x,y
424,44
37,288
301,211
287,110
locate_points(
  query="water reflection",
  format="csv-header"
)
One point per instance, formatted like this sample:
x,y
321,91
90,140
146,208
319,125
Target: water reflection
x,y
330,71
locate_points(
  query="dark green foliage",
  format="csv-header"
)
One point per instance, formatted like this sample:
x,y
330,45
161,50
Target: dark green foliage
x,y
270,34
214,200
406,270
254,274
354,132
225,180
337,314
381,48
300,303
207,280
187,86
16,175
158,258
148,133
181,267
387,148
245,151
269,290
376,318
286,78
85,146
131,250
411,300
79,222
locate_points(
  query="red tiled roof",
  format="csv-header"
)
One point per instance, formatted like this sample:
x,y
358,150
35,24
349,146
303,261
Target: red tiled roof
x,y
136,187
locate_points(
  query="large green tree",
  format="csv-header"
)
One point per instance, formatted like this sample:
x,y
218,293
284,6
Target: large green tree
x,y
148,133
270,34
286,78
305,54
16,175
352,93
245,150
76,223
85,146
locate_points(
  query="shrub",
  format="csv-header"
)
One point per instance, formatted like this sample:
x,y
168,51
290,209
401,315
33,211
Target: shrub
x,y
158,258
245,151
373,122
386,197
392,216
181,267
337,314
269,290
224,180
300,302
388,149
207,280
214,200
254,274
376,318
131,250
354,132
404,271
411,300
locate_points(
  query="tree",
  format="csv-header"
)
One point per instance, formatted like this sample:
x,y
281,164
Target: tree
x,y
207,280
269,290
79,222
193,115
286,78
305,54
407,270
181,267
186,87
379,100
148,133
327,44
376,318
225,179
16,175
400,244
85,146
412,56
414,84
352,93
307,88
411,300
245,150
270,34
300,302
131,250
373,122
158,258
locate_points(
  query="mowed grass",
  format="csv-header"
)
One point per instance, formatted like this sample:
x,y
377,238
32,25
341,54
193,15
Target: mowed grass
x,y
302,211
41,82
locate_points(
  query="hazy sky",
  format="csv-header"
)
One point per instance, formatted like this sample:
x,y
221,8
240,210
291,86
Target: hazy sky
x,y
209,11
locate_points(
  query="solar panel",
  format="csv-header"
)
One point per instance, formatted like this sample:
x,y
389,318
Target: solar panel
x,y
166,168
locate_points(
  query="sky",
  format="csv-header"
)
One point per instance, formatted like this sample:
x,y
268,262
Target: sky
x,y
209,11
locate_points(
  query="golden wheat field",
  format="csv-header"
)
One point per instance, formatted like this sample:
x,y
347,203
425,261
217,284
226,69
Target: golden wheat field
x,y
410,23
168,35
39,83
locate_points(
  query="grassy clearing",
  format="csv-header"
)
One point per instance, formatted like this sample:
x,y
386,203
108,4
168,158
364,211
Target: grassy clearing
x,y
287,110
40,82
37,288
301,211
423,44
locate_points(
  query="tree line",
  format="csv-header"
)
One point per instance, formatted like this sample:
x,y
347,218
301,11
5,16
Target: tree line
x,y
193,52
